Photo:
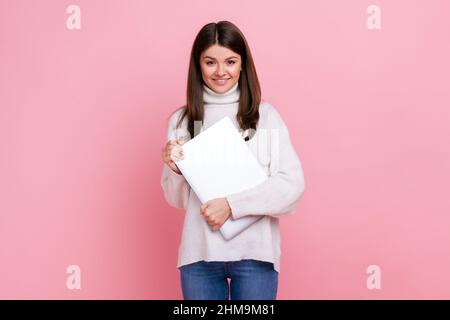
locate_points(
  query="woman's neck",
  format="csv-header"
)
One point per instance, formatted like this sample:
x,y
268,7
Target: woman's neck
x,y
221,99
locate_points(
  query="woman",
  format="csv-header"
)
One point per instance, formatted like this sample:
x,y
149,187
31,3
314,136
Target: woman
x,y
222,82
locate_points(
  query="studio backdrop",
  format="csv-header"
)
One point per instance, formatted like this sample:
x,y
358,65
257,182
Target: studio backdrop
x,y
86,89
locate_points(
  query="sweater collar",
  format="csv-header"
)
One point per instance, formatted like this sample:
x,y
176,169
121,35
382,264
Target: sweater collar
x,y
211,97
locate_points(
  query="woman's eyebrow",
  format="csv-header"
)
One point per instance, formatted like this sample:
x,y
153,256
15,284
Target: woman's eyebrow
x,y
205,57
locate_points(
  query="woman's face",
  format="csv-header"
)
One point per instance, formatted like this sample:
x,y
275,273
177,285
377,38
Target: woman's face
x,y
221,68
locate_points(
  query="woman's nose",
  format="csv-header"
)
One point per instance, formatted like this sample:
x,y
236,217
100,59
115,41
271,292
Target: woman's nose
x,y
220,70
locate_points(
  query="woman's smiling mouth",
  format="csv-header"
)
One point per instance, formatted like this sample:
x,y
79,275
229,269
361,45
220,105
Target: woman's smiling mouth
x,y
220,82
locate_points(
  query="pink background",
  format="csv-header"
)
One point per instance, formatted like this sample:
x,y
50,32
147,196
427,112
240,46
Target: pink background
x,y
83,121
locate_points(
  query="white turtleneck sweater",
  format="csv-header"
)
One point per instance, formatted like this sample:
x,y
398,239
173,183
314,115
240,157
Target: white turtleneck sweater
x,y
273,198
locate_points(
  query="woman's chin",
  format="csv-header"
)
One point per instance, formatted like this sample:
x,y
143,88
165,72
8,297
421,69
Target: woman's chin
x,y
220,89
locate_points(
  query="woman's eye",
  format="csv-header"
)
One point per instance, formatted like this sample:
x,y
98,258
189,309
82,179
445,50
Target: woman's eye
x,y
212,62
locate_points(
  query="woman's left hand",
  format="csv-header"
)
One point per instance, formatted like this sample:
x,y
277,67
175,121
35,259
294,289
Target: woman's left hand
x,y
216,212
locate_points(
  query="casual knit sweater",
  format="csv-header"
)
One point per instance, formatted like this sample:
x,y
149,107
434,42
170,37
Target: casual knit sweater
x,y
277,196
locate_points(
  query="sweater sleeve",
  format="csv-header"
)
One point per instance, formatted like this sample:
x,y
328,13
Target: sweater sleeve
x,y
281,192
176,188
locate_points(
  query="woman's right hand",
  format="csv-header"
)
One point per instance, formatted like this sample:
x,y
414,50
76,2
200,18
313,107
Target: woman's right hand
x,y
173,151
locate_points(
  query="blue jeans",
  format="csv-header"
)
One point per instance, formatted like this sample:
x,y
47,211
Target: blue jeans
x,y
249,280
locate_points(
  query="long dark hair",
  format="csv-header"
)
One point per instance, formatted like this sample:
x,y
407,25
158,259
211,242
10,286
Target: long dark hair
x,y
226,34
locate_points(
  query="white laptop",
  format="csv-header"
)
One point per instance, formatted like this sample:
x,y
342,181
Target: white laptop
x,y
218,162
